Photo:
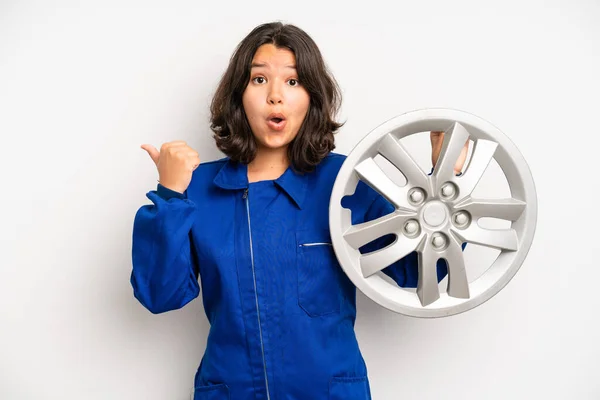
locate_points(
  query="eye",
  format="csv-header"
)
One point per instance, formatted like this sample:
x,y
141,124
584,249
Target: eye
x,y
294,82
259,80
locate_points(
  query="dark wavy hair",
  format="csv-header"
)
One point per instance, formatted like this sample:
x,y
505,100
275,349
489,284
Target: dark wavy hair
x,y
228,121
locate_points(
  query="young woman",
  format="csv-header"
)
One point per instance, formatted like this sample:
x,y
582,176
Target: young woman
x,y
253,227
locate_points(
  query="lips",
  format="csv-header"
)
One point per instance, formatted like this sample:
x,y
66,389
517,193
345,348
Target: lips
x,y
276,121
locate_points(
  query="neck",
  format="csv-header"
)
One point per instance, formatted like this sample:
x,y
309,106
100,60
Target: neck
x,y
268,165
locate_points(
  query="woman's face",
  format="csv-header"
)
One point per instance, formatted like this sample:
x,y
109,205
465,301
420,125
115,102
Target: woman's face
x,y
274,100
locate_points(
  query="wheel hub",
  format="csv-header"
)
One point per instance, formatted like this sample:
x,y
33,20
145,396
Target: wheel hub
x,y
435,214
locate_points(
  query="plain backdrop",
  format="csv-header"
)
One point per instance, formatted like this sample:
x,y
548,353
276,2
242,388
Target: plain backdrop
x,y
84,84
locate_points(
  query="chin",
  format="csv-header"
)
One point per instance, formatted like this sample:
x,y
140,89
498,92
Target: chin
x,y
276,143
276,146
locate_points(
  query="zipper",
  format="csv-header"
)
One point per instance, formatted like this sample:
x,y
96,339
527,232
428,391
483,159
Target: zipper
x,y
262,346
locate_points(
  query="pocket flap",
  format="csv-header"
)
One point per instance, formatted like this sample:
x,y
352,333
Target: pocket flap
x,y
212,392
313,237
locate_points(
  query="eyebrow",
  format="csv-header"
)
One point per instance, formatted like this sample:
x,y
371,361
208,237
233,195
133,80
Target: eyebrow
x,y
262,65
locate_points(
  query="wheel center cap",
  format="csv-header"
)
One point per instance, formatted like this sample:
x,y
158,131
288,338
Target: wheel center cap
x,y
435,213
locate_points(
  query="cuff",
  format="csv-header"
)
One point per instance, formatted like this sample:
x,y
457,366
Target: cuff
x,y
167,193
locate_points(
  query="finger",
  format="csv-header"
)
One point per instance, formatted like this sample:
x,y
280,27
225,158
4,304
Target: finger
x,y
192,154
176,143
462,158
172,145
188,156
154,154
185,154
195,162
435,135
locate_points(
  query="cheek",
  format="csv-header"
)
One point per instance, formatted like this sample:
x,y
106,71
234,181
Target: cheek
x,y
301,103
249,104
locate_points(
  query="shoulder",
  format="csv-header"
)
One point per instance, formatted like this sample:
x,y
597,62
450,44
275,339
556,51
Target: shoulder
x,y
326,171
206,172
215,164
331,164
334,159
364,196
209,168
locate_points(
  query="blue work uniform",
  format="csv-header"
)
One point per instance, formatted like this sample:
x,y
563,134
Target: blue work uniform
x,y
280,307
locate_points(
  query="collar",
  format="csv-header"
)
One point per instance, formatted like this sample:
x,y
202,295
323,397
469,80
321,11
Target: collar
x,y
234,175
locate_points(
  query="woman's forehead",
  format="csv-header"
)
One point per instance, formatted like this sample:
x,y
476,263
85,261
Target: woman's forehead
x,y
268,55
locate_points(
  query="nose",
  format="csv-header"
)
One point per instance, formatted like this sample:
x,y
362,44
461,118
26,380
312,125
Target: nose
x,y
274,96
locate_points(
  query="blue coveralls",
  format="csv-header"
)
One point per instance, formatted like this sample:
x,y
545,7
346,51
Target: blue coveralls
x,y
281,309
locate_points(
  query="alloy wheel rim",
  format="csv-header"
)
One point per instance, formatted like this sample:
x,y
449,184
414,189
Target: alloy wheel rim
x,y
435,214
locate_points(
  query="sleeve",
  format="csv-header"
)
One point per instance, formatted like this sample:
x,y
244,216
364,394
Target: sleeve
x,y
165,274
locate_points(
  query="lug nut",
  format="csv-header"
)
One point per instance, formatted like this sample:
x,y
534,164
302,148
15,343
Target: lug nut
x,y
411,228
448,190
417,196
438,241
461,218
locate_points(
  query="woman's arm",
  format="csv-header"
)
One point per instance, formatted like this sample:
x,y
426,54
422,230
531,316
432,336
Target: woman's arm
x,y
165,274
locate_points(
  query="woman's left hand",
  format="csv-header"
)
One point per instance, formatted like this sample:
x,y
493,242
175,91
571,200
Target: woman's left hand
x,y
437,138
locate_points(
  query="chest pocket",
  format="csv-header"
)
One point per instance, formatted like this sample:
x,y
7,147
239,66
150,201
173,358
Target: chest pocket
x,y
319,291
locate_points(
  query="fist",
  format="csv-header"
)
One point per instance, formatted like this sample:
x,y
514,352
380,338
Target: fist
x,y
176,162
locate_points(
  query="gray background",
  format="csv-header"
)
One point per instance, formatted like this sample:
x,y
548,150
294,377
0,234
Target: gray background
x,y
84,84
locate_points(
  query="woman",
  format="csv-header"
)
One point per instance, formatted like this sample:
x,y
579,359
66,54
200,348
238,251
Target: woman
x,y
254,228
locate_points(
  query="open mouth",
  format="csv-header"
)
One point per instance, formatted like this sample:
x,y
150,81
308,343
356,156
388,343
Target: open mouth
x,y
276,122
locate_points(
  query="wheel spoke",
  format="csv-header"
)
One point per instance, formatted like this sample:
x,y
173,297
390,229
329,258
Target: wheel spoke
x,y
375,261
483,152
428,290
458,284
371,173
394,152
360,234
501,239
454,142
509,209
